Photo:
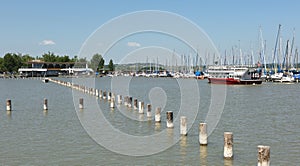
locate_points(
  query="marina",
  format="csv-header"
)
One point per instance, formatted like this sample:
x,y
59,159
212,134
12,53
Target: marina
x,y
208,83
32,136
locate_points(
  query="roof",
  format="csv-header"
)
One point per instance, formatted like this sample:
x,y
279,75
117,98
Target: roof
x,y
31,69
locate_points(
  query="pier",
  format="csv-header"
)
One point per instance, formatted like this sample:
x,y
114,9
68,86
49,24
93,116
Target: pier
x,y
114,100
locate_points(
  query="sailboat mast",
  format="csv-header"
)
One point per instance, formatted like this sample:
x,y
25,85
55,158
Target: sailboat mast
x,y
225,61
296,54
277,39
265,43
291,51
233,56
262,50
286,55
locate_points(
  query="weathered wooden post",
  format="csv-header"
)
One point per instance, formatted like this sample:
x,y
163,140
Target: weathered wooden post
x,y
130,102
112,103
8,105
113,96
183,125
125,100
202,134
135,104
104,95
141,107
149,111
119,99
45,106
263,156
97,93
170,119
81,103
157,115
228,145
109,96
100,94
94,91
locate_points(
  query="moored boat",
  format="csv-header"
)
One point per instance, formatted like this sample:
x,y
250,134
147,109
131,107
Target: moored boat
x,y
234,75
45,80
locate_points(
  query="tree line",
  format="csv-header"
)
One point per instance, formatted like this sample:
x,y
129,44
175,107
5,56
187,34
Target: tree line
x,y
11,62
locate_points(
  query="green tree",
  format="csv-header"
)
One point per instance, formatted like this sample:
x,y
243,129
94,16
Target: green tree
x,y
111,65
50,57
26,58
2,68
97,62
18,61
12,62
101,64
64,58
81,62
74,59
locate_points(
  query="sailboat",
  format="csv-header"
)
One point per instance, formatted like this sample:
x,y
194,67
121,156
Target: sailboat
x,y
296,73
262,56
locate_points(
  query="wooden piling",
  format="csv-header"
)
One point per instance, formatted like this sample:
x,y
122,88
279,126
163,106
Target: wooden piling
x,y
125,100
141,107
157,115
100,94
109,96
81,103
149,110
45,106
97,93
94,91
202,134
130,102
112,103
113,96
183,125
104,95
8,105
119,99
135,104
170,119
228,145
263,156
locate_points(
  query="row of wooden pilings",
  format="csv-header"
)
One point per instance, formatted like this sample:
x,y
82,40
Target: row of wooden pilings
x,y
9,105
263,156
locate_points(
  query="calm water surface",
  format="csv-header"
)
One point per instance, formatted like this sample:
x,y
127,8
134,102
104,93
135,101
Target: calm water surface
x,y
265,114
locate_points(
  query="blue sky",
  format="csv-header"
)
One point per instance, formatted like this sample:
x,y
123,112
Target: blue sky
x,y
38,26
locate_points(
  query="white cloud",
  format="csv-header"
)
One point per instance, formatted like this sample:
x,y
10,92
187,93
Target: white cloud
x,y
47,42
133,44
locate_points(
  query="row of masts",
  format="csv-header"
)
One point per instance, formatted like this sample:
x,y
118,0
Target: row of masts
x,y
280,59
284,58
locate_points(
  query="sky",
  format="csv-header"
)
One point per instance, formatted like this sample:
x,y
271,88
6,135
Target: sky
x,y
35,27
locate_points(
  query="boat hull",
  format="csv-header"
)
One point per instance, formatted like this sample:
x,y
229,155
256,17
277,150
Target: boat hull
x,y
232,81
223,81
251,82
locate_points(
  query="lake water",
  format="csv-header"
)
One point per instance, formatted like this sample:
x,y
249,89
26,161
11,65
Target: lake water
x,y
266,114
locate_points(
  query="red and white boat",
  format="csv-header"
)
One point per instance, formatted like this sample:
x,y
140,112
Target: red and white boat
x,y
233,75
